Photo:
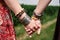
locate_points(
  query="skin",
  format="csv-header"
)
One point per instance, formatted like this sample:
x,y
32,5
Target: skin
x,y
16,8
42,4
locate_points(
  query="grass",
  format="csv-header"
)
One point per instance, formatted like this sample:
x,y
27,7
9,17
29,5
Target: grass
x,y
19,30
46,34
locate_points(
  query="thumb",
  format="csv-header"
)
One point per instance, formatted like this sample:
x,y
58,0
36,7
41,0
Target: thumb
x,y
39,30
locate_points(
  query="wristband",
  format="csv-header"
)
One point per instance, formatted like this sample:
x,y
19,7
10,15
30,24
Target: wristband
x,y
26,20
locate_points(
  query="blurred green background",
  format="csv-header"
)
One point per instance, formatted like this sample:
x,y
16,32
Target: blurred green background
x,y
48,21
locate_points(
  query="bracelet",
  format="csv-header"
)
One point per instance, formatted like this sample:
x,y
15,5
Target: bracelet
x,y
33,17
37,16
20,13
26,20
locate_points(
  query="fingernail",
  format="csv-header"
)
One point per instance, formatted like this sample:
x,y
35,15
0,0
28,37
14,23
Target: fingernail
x,y
30,36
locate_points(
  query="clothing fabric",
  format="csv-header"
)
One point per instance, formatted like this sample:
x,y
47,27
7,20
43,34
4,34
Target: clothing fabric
x,y
7,31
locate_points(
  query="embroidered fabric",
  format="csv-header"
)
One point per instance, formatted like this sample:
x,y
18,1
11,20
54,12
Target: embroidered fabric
x,y
6,25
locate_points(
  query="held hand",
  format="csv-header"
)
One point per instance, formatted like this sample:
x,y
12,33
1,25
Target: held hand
x,y
38,23
32,27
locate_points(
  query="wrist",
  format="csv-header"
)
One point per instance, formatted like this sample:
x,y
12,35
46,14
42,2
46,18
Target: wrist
x,y
37,11
23,17
36,15
18,11
34,18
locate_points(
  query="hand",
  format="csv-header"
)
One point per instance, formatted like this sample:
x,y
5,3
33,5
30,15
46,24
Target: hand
x,y
32,27
38,23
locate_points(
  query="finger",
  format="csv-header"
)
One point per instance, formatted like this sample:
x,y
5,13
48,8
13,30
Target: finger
x,y
39,30
36,28
25,28
30,36
28,29
31,31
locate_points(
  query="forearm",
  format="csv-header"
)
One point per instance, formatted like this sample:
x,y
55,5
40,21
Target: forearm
x,y
14,6
42,4
18,10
